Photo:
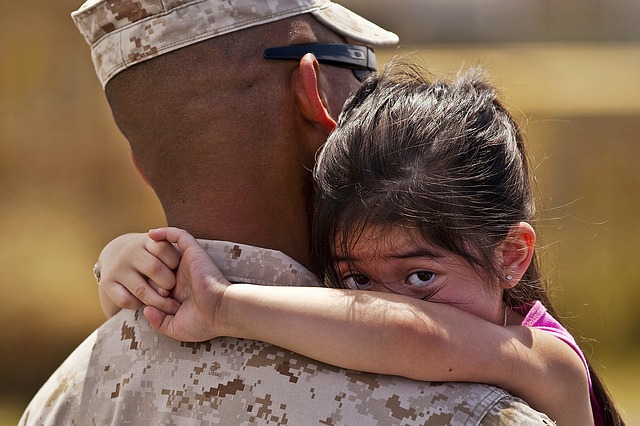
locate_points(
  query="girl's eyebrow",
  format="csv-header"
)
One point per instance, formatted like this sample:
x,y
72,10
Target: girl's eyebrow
x,y
409,253
416,252
343,259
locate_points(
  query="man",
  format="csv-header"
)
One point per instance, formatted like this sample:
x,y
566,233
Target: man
x,y
225,130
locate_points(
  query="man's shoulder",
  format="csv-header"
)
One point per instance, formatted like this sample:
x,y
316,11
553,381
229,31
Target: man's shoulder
x,y
125,372
244,263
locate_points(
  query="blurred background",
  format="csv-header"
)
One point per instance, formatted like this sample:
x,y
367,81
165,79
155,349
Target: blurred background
x,y
570,70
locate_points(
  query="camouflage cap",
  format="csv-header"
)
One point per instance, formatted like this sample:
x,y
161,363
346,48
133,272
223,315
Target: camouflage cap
x,y
122,33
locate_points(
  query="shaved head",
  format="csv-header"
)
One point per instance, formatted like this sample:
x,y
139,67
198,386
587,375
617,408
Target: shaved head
x,y
210,95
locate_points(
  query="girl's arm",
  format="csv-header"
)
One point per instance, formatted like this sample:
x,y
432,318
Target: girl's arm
x,y
397,335
376,332
135,271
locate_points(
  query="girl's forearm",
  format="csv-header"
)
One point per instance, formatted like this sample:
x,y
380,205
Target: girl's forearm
x,y
377,332
397,335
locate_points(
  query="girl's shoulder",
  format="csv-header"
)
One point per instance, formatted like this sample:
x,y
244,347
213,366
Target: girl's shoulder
x,y
559,350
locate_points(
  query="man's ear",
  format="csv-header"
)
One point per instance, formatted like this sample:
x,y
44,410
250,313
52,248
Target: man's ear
x,y
307,90
516,252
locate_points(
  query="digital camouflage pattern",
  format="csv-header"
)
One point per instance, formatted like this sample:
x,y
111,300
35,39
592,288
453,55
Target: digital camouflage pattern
x,y
122,33
126,373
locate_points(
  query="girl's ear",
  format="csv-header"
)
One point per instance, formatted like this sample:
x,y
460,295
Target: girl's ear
x,y
307,90
516,253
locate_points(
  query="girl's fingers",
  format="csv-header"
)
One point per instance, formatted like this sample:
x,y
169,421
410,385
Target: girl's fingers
x,y
181,238
166,252
120,296
158,272
154,316
139,292
148,294
167,305
161,291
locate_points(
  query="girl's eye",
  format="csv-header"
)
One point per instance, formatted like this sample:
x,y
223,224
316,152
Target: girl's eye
x,y
357,282
421,278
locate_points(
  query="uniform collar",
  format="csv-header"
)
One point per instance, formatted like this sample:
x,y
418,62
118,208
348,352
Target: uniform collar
x,y
241,263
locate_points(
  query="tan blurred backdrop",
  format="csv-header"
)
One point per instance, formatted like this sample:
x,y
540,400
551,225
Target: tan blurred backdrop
x,y
67,185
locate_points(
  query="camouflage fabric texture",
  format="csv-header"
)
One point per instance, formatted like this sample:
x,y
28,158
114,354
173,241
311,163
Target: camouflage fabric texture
x,y
126,373
122,33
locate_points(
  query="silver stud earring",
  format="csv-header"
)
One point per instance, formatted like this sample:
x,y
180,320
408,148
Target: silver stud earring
x,y
509,277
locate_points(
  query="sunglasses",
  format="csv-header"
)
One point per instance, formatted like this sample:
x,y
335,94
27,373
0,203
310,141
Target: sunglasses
x,y
360,59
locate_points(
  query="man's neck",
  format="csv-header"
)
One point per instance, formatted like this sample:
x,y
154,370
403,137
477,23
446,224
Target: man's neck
x,y
258,221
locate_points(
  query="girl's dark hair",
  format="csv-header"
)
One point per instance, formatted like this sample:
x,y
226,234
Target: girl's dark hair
x,y
445,158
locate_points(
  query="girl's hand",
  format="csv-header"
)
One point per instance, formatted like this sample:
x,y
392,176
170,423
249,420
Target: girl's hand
x,y
200,288
135,271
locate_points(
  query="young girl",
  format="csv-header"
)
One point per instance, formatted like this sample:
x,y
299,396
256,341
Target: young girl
x,y
423,196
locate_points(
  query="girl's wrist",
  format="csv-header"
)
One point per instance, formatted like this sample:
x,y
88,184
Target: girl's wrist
x,y
227,315
243,312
